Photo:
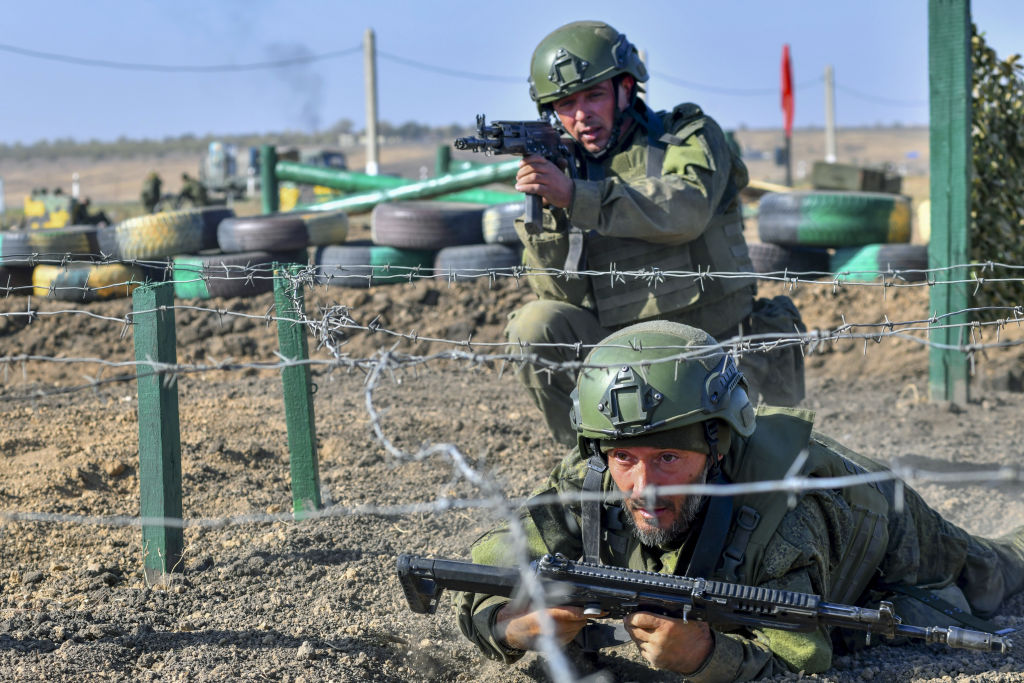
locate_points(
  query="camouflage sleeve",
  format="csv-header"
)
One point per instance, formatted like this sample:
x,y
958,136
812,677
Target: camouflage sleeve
x,y
797,559
545,529
674,208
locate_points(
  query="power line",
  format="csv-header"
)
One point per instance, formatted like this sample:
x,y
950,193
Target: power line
x,y
181,68
450,72
882,100
742,92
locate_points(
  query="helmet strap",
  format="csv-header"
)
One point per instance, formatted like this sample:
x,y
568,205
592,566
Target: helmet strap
x,y
711,436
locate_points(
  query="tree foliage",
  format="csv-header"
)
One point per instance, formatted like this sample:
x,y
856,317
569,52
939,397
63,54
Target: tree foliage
x,y
997,189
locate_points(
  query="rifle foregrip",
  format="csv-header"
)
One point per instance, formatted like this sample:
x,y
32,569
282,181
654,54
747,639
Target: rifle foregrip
x,y
534,214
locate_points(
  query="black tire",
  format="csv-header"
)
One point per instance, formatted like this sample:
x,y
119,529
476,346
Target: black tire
x,y
426,225
905,262
272,232
833,219
775,258
475,261
205,276
212,217
106,242
326,227
499,223
362,264
48,245
15,280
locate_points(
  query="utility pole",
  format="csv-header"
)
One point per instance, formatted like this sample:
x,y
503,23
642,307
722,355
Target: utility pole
x,y
830,115
370,79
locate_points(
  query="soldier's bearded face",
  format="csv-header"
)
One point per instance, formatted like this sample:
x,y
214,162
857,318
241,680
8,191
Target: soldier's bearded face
x,y
661,520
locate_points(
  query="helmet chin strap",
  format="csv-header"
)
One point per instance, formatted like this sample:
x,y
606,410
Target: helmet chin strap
x,y
711,436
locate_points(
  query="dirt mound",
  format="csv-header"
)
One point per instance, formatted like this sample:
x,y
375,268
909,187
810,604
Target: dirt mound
x,y
264,597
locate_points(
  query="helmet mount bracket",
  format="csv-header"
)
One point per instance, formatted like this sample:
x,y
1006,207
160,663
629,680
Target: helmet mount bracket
x,y
629,401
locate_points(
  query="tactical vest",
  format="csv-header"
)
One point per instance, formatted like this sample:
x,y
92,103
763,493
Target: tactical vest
x,y
721,247
782,433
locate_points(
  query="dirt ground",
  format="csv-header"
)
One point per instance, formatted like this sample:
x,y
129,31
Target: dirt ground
x,y
262,597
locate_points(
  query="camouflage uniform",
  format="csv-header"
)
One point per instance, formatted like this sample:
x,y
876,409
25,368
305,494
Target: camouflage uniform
x,y
664,195
802,554
853,545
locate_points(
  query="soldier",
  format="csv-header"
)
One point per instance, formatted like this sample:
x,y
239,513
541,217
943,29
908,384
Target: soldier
x,y
642,423
151,187
193,192
654,190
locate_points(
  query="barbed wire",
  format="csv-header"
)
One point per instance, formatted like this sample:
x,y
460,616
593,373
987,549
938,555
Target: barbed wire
x,y
336,322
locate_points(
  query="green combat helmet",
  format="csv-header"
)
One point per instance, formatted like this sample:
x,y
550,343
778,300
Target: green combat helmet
x,y
629,395
577,56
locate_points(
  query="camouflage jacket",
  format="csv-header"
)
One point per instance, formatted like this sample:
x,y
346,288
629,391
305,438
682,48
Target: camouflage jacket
x,y
806,548
665,203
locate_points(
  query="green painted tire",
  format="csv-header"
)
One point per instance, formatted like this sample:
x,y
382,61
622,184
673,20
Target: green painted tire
x,y
904,262
833,219
159,235
86,282
206,276
363,264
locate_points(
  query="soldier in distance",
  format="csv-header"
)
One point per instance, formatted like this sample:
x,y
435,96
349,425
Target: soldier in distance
x,y
642,422
653,190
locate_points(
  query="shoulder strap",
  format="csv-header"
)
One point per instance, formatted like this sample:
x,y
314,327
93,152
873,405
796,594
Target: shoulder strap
x,y
658,139
591,509
712,534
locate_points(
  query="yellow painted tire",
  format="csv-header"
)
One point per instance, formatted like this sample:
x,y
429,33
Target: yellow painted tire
x,y
86,282
159,235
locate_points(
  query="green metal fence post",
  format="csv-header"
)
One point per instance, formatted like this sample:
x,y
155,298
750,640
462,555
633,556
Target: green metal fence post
x,y
159,431
289,300
443,160
268,179
949,77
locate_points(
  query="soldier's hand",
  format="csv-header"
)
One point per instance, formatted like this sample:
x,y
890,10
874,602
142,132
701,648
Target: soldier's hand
x,y
667,643
522,628
539,176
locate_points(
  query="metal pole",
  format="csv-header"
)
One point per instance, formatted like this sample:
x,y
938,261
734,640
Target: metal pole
x,y
370,78
269,197
789,160
830,115
646,95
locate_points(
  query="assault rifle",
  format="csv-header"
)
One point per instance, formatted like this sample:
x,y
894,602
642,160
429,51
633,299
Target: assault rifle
x,y
613,592
522,138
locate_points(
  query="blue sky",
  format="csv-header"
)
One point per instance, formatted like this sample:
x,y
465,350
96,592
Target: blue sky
x,y
723,55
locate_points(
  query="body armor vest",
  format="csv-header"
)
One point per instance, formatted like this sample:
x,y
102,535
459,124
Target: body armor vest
x,y
721,247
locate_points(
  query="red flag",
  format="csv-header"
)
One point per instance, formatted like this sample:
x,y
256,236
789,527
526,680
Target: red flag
x,y
787,91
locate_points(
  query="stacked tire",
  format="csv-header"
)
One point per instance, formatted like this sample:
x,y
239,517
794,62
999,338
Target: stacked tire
x,y
62,263
844,235
414,239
